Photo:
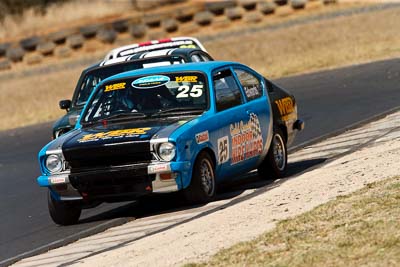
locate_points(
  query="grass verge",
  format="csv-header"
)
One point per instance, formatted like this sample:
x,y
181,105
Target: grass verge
x,y
361,229
275,53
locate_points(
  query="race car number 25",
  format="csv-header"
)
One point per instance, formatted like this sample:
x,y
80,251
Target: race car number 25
x,y
223,149
185,91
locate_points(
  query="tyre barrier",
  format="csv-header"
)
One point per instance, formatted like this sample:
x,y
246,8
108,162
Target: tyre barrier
x,y
3,48
281,2
90,31
29,44
248,5
267,7
15,54
46,48
218,7
187,18
203,18
153,20
183,15
298,4
75,41
137,30
60,37
234,13
169,25
120,26
107,36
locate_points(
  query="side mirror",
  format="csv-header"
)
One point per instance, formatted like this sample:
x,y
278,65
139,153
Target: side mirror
x,y
65,104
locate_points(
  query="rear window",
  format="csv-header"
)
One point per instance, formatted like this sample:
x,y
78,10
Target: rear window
x,y
250,83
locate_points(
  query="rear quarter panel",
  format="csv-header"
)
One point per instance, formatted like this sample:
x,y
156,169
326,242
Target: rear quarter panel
x,y
284,110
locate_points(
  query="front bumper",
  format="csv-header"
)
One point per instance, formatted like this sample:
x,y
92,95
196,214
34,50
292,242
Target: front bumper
x,y
139,179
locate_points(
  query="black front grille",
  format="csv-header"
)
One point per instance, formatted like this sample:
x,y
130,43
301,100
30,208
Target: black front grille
x,y
118,181
85,158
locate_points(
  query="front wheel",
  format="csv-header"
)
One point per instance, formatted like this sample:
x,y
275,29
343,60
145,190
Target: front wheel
x,y
202,187
64,212
275,163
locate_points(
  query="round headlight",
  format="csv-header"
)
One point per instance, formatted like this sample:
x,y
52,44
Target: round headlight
x,y
54,163
166,151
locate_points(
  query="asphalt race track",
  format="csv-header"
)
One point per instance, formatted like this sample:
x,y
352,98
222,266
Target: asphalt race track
x,y
328,101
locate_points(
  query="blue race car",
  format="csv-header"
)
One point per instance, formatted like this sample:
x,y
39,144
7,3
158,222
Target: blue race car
x,y
177,128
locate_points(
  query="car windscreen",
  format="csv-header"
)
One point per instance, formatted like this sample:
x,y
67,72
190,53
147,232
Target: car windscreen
x,y
149,96
92,78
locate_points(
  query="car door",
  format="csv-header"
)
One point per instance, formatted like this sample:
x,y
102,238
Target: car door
x,y
230,113
258,123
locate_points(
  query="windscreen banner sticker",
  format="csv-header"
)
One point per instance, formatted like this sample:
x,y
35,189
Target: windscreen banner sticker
x,y
223,149
202,137
247,140
187,79
115,86
113,134
285,107
150,81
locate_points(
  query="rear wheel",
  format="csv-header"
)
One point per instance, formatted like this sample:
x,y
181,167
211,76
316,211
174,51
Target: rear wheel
x,y
275,163
64,212
202,187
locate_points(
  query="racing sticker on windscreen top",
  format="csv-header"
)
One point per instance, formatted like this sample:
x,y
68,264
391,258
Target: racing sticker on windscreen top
x,y
113,134
247,140
150,81
115,86
187,79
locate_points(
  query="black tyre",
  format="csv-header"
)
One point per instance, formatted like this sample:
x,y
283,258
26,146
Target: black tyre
x,y
64,213
202,187
275,163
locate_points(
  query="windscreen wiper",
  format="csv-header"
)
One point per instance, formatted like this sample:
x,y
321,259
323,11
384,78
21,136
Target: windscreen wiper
x,y
115,117
178,110
125,115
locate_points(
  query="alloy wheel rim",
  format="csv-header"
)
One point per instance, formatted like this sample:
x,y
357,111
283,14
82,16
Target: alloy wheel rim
x,y
207,177
279,152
